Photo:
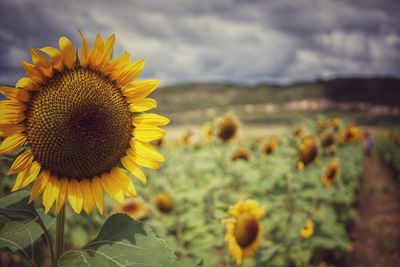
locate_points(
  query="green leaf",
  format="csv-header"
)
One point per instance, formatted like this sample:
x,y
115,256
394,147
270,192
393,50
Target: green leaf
x,y
122,241
20,224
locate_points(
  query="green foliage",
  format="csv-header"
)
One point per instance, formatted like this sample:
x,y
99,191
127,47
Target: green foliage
x,y
20,224
121,242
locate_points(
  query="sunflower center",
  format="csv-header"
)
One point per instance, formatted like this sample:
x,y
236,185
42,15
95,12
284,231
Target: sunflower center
x,y
78,124
331,174
246,230
163,203
308,153
328,141
227,131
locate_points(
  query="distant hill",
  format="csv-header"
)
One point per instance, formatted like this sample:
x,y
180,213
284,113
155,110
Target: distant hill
x,y
366,100
264,102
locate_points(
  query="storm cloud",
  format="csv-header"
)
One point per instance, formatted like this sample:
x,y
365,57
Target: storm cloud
x,y
227,40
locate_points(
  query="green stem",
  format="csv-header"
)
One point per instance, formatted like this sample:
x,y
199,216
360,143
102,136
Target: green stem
x,y
59,235
48,241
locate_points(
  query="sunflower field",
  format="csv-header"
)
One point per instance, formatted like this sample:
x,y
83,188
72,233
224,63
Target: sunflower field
x,y
90,178
223,200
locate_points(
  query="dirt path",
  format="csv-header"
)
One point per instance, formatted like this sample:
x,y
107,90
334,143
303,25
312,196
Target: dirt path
x,y
376,234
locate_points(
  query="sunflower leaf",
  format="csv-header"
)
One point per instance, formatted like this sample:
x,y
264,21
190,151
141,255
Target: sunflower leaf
x,y
122,241
20,224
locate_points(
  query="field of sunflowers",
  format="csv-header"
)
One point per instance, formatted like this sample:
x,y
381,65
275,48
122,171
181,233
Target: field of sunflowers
x,y
269,201
223,200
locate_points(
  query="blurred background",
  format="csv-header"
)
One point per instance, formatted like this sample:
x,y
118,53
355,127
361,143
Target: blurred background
x,y
287,70
270,61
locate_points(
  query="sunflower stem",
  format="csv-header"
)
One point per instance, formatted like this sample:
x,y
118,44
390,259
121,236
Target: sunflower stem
x,y
47,237
59,235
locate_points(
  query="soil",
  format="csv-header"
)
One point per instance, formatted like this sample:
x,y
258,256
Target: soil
x,y
376,233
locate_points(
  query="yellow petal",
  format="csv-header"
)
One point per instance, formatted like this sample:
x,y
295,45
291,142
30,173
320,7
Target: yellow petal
x,y
68,52
116,64
108,48
42,63
133,169
12,106
146,150
142,161
124,65
75,197
22,162
27,176
19,179
56,57
15,93
97,52
39,185
113,189
10,129
131,73
142,105
119,176
26,84
63,195
148,133
51,193
150,119
11,118
38,58
11,111
85,51
88,201
140,89
98,193
12,143
33,73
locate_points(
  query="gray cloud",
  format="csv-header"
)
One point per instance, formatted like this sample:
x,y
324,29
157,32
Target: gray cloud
x,y
227,40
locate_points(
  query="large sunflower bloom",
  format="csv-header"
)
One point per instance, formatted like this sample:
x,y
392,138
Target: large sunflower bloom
x,y
243,229
78,127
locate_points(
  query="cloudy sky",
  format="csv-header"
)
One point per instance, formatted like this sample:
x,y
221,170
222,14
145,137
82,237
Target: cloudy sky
x,y
246,41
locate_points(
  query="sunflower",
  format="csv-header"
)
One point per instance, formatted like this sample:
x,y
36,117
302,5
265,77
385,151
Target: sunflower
x,y
243,229
308,230
270,146
135,207
241,154
78,126
227,127
208,132
163,202
351,134
330,173
308,151
185,138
